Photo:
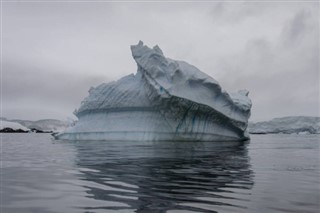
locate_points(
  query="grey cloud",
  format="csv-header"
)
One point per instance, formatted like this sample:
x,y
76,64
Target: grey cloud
x,y
234,13
33,88
53,52
280,74
296,28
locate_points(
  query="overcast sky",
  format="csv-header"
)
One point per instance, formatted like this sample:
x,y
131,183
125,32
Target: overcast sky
x,y
52,52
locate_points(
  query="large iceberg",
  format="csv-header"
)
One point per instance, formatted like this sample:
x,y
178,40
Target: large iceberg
x,y
166,100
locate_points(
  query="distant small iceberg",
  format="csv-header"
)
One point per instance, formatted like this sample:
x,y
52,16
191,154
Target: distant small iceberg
x,y
39,126
12,127
287,125
166,100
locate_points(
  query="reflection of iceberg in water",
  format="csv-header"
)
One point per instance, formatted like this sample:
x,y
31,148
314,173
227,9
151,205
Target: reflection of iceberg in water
x,y
164,176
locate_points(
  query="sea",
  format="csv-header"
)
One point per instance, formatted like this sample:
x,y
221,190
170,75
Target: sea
x,y
269,173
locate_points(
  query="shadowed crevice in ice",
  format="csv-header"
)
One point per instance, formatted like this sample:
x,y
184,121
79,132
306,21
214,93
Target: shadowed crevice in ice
x,y
165,100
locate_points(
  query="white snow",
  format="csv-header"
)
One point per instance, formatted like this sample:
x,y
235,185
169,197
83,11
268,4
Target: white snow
x,y
43,125
164,100
12,125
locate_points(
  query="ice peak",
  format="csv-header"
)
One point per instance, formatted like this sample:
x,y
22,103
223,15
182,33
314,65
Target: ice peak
x,y
140,50
157,49
243,92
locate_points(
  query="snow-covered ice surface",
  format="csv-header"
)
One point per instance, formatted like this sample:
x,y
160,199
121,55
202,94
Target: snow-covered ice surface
x,y
12,125
165,100
43,125
287,125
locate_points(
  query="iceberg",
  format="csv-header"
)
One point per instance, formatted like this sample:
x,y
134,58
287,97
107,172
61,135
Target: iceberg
x,y
287,125
43,125
166,100
9,126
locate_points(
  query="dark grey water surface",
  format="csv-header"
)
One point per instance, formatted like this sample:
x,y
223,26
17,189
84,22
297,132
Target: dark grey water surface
x,y
271,173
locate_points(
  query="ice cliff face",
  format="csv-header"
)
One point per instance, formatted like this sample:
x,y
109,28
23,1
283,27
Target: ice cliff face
x,y
164,100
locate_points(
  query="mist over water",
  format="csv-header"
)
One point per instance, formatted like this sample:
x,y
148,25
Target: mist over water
x,y
271,173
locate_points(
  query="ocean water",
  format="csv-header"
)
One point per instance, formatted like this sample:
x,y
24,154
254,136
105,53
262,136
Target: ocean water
x,y
270,173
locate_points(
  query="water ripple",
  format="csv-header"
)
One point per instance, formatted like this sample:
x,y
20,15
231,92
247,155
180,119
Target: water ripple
x,y
269,174
155,177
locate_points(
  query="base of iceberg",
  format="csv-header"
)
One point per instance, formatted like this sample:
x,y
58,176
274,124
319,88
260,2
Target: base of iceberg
x,y
146,125
165,100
